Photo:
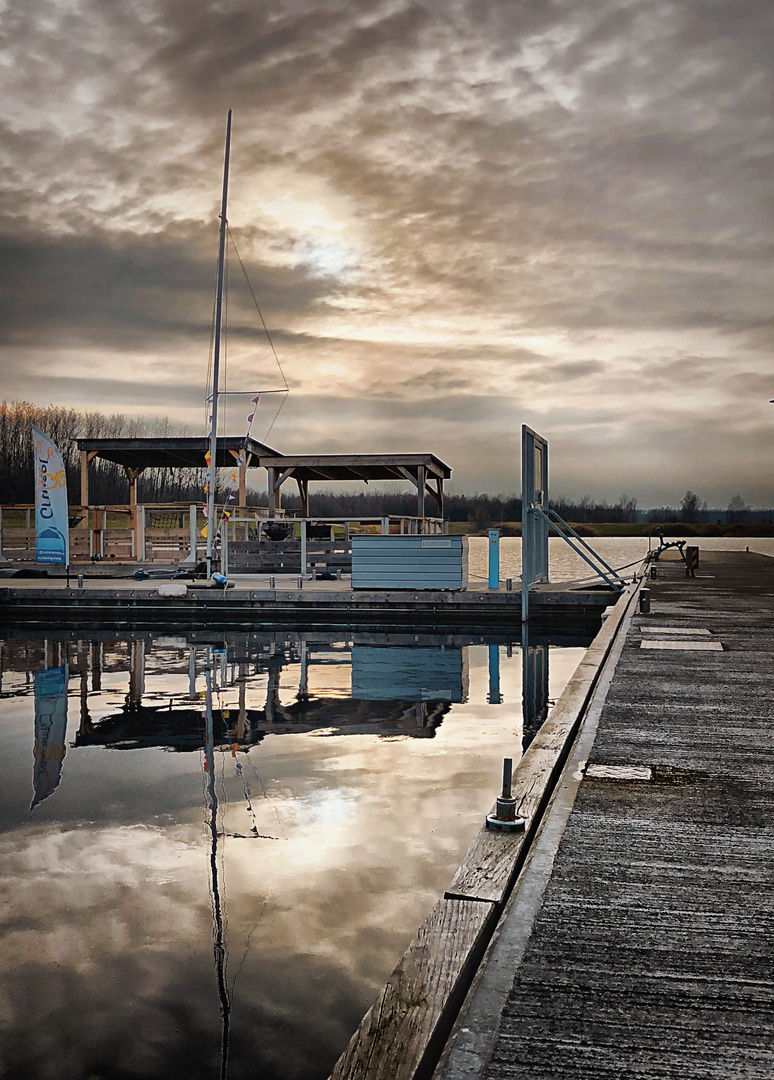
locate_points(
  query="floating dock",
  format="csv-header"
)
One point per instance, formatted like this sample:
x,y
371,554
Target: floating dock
x,y
627,932
122,602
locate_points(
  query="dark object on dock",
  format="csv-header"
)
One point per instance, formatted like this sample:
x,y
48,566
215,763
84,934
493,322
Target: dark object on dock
x,y
664,545
691,560
28,572
217,582
157,575
319,532
505,819
275,531
180,573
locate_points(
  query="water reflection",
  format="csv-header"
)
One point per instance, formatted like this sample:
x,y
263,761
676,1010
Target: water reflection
x,y
226,899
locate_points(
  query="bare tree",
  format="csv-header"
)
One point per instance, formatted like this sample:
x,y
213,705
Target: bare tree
x,y
737,509
689,506
627,508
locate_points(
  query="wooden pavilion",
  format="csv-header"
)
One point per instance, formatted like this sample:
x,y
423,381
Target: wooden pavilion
x,y
425,471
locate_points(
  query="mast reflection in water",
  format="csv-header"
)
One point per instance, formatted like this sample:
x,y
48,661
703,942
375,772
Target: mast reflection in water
x,y
362,768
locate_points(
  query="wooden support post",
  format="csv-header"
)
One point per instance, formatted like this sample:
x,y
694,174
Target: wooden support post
x,y
97,534
243,482
439,496
275,483
132,476
136,672
87,456
271,491
242,458
303,491
421,487
2,557
140,534
191,557
84,478
96,665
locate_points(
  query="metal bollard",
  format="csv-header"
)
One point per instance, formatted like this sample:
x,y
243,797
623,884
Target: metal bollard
x,y
80,581
509,584
644,601
505,818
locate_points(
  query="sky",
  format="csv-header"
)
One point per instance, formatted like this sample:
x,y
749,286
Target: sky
x,y
457,218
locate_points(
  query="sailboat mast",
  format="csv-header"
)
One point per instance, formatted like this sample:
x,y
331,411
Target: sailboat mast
x,y
211,523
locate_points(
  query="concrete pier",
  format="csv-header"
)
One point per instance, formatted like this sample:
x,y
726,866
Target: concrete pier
x,y
640,940
285,601
632,937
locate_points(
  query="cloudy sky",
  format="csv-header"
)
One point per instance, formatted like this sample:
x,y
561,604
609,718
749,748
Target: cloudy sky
x,y
457,217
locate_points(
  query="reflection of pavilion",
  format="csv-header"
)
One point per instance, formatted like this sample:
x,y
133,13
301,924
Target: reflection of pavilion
x,y
411,709
388,685
184,729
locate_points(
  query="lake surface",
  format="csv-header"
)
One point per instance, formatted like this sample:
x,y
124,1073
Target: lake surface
x,y
214,852
623,551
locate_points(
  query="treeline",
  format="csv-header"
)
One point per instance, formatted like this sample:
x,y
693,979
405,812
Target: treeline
x,y
108,483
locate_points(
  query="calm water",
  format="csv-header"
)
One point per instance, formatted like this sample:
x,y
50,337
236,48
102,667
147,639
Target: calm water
x,y
232,843
565,565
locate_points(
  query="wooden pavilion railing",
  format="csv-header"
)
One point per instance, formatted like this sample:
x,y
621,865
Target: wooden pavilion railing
x,y
172,532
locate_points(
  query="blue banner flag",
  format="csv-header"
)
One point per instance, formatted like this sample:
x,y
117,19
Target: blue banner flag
x,y
51,511
50,731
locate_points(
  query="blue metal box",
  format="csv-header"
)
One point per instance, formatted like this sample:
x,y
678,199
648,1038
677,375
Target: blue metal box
x,y
409,562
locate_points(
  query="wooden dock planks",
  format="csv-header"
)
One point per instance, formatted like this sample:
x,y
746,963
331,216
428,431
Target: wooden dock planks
x,y
650,956
404,1030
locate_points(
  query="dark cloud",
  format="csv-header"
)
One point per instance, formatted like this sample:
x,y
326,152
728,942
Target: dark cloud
x,y
129,289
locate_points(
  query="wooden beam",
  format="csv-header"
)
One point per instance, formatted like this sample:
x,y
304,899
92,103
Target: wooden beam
x,y
402,1034
283,476
303,491
132,476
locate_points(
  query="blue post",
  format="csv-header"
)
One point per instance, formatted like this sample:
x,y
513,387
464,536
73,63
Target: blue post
x,y
494,558
494,697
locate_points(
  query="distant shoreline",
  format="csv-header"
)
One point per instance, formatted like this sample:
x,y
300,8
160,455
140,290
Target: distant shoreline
x,y
601,528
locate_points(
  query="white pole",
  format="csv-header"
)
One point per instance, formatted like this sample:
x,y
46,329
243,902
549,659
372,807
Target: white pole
x,y
211,523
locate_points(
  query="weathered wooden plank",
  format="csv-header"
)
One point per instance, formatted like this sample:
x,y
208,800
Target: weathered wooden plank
x,y
493,860
401,1034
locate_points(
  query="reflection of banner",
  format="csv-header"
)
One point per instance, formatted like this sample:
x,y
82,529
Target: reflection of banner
x,y
51,513
50,731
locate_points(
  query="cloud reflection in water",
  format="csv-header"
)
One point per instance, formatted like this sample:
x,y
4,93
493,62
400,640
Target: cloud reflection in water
x,y
107,965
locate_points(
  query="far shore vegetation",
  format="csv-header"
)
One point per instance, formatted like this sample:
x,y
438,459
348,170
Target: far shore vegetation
x,y
472,514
